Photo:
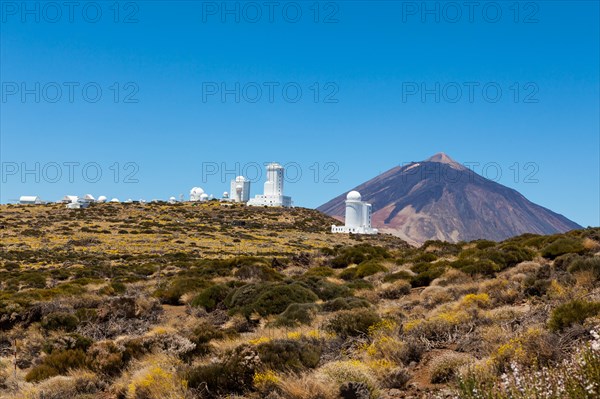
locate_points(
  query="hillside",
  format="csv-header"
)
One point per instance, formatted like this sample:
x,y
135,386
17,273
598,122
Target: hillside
x,y
204,301
440,199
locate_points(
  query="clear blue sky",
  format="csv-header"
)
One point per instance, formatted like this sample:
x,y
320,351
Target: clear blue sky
x,y
372,58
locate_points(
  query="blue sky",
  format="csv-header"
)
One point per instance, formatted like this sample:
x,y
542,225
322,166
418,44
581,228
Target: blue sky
x,y
186,88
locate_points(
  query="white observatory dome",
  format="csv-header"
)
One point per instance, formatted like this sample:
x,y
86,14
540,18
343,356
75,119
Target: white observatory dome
x,y
225,194
239,188
196,191
115,200
354,196
102,198
204,197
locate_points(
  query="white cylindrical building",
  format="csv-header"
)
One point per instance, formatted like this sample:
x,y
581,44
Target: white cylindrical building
x,y
274,183
353,210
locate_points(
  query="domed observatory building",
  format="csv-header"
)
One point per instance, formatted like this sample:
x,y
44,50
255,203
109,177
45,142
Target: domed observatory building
x,y
196,194
273,195
240,189
358,216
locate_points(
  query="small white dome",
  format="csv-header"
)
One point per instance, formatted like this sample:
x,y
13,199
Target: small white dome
x,y
204,196
353,196
101,198
115,200
225,194
196,191
239,188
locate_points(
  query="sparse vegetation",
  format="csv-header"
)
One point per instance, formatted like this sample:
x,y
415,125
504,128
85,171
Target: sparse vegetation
x,y
202,301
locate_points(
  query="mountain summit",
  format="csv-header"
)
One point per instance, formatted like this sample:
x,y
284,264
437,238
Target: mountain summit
x,y
440,199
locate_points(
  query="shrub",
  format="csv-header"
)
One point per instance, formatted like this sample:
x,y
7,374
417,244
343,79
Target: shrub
x,y
58,362
358,254
396,378
354,371
443,368
591,265
257,271
209,298
266,299
105,357
320,271
562,246
60,321
350,323
368,268
396,290
346,303
572,312
324,289
156,381
297,314
177,287
234,373
425,277
401,275
289,354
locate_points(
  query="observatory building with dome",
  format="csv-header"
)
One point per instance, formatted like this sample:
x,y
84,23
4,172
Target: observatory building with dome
x,y
239,190
358,216
273,191
196,194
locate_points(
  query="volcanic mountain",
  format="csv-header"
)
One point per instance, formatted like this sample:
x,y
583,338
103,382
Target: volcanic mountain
x,y
440,199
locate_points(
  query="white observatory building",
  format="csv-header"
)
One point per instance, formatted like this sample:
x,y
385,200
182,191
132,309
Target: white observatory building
x,y
358,216
196,194
273,192
240,189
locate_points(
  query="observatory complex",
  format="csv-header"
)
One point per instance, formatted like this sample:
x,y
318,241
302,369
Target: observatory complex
x,y
240,189
273,191
358,216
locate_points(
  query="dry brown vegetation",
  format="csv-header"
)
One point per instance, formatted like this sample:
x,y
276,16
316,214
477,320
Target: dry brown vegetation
x,y
207,301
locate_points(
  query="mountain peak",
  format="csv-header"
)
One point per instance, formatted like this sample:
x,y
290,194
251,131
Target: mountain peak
x,y
441,158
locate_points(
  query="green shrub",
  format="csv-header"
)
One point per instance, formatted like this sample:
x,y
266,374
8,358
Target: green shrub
x,y
401,275
324,289
358,254
257,272
591,265
562,246
179,286
571,313
351,323
346,303
425,277
58,362
297,314
368,268
60,321
268,298
209,298
289,355
359,284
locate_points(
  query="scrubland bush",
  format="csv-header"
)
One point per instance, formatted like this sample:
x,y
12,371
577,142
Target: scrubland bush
x,y
320,271
590,265
346,303
324,288
562,246
81,384
266,299
60,321
289,354
577,377
342,372
297,314
358,254
177,287
396,378
350,323
395,290
444,367
156,379
59,362
210,298
535,345
233,373
572,312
